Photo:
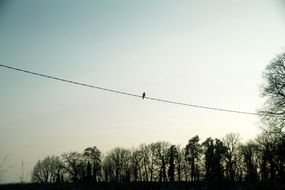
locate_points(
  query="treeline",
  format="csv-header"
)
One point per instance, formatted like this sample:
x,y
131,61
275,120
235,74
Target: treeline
x,y
213,160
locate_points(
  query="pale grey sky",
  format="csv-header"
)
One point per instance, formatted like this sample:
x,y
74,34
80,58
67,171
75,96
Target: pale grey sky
x,y
202,52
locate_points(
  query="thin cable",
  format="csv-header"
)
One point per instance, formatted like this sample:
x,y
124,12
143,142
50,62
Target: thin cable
x,y
70,81
128,94
201,107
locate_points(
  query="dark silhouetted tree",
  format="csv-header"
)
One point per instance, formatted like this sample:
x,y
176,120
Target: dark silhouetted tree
x,y
172,154
88,178
249,152
93,154
180,162
192,156
214,154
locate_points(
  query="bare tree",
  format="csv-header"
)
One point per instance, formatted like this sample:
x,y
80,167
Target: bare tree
x,y
48,170
148,160
74,165
232,158
159,150
180,160
117,165
274,92
136,164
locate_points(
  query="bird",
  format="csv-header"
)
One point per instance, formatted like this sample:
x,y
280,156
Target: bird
x,y
143,95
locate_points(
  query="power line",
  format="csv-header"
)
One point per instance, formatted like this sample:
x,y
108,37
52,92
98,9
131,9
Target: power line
x,y
128,94
69,81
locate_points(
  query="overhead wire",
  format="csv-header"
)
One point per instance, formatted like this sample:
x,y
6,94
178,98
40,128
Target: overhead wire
x,y
127,93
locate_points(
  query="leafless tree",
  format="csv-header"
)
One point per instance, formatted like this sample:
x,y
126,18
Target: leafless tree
x,y
74,165
273,111
232,158
48,170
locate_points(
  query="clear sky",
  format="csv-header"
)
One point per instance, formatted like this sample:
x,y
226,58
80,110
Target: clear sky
x,y
202,52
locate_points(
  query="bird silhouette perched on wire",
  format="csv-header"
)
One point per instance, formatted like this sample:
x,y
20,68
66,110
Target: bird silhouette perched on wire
x,y
143,95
